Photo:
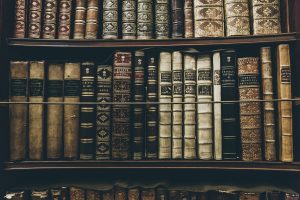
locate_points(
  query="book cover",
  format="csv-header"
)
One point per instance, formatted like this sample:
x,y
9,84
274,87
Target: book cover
x,y
144,19
162,19
49,19
20,19
80,19
177,18
92,17
110,19
35,18
129,15
64,19
188,9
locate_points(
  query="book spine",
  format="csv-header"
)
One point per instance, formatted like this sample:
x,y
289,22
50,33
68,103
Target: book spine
x,y
249,195
55,193
209,18
64,19
49,21
144,20
92,195
148,194
91,29
71,112
285,119
134,193
110,19
39,194
174,194
15,195
162,19
103,118
35,18
161,193
291,196
204,110
18,112
269,109
165,106
20,19
188,19
122,75
108,195
80,19
189,118
36,111
120,193
177,18
177,96
237,17
77,193
87,111
250,113
55,111
129,19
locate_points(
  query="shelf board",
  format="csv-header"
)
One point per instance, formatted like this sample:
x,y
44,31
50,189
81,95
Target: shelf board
x,y
100,43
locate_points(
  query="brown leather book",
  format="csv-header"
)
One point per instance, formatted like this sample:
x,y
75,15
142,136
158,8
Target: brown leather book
x,y
20,19
148,194
77,193
35,18
64,19
188,19
92,16
120,193
134,193
80,19
249,196
49,21
108,195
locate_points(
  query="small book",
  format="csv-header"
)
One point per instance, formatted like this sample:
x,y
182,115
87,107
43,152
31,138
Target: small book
x,y
120,193
129,19
161,193
92,195
64,19
77,193
39,194
110,19
177,18
134,193
148,194
249,196
92,17
162,19
80,19
49,20
35,18
20,21
16,195
188,8
144,19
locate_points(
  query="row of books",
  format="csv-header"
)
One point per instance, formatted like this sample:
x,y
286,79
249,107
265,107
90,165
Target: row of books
x,y
145,19
178,105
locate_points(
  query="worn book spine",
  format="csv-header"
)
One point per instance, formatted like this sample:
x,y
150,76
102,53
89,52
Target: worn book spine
x,y
134,193
35,18
80,19
120,193
268,107
36,111
39,194
122,75
177,18
148,194
189,118
92,17
64,19
285,119
87,111
177,109
162,19
237,17
15,195
250,112
77,193
92,195
55,111
161,193
103,116
20,19
18,112
188,8
129,19
71,112
209,18
55,193
144,19
165,106
249,196
110,19
266,17
49,21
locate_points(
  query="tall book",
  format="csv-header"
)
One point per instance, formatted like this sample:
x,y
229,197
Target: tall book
x,y
134,193
237,17
71,111
268,107
204,110
250,111
249,195
148,194
64,19
188,8
18,112
129,19
77,193
162,19
42,194
285,117
110,19
92,17
55,111
35,18
87,111
49,21
165,106
122,75
20,19
15,195
190,107
177,18
209,18
36,111
80,19
144,19
103,116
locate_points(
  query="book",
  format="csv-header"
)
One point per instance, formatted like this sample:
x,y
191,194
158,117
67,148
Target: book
x,y
162,19
35,18
110,19
49,20
250,112
54,117
273,195
77,193
122,75
55,193
20,19
64,19
177,18
120,193
249,196
184,195
92,17
285,114
237,17
161,193
144,19
129,15
209,18
92,195
223,195
15,195
71,111
80,19
165,108
41,194
108,195
36,111
148,194
204,110
174,194
65,193
188,8
134,193
291,196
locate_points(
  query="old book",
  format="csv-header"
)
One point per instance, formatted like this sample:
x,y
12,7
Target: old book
x,y
249,196
174,194
64,19
55,194
188,8
92,17
177,109
177,18
144,19
189,118
39,194
71,112
134,193
165,107
209,18
35,18
129,19
103,116
20,19
291,196
285,117
108,195
49,20
120,193
161,193
204,110
110,19
184,195
77,193
55,111
273,195
148,194
162,19
268,107
36,111
87,111
266,17
15,195
80,19
250,112
122,75
65,193
92,195
237,17
223,195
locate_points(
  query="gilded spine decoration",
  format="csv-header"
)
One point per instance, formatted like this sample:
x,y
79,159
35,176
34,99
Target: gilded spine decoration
x,y
49,21
20,19
35,18
144,19
129,19
110,19
162,19
64,19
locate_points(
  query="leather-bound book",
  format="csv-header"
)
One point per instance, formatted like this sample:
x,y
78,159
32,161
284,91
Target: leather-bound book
x,y
134,193
285,117
64,19
266,17
77,193
189,118
161,193
36,111
15,195
103,118
39,194
35,18
209,18
108,195
20,19
174,195
129,19
188,18
55,194
138,144
148,194
249,196
268,107
165,106
93,195
177,18
237,17
230,116
49,20
177,109
250,112
92,17
144,19
122,75
80,19
120,193
291,196
55,111
71,112
162,19
110,19
204,110
87,111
